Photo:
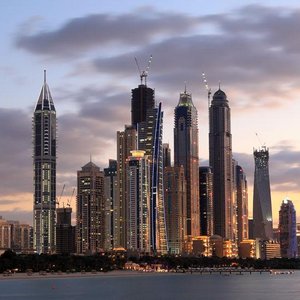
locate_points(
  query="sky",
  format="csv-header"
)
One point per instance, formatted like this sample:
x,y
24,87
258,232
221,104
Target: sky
x,y
89,48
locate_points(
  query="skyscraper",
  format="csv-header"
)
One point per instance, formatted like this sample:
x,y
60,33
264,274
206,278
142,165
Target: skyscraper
x,y
166,155
126,142
175,206
44,165
65,232
111,206
186,155
287,229
142,99
150,140
220,159
242,204
206,201
138,206
262,205
90,209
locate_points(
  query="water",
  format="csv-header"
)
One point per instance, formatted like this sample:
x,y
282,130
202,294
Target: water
x,y
156,286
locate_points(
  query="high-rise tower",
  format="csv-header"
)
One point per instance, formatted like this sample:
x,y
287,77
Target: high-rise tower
x,y
44,165
138,205
150,140
242,204
206,201
262,205
186,155
111,206
142,99
220,159
90,209
126,142
287,229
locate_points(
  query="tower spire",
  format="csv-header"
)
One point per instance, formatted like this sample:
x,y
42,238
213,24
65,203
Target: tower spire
x,y
45,76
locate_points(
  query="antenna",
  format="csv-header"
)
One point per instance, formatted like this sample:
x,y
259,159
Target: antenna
x,y
143,73
207,88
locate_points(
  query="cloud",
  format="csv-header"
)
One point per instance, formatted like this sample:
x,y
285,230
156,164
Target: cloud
x,y
8,202
99,30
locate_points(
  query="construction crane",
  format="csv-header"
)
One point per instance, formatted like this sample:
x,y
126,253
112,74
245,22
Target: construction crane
x,y
207,88
70,199
58,199
143,73
262,145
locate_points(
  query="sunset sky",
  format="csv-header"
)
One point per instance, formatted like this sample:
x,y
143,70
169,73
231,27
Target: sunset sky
x,y
88,49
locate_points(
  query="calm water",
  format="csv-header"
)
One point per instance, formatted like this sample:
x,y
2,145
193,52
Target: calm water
x,y
156,286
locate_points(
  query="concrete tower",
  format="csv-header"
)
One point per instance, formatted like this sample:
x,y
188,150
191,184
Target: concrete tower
x,y
206,201
186,155
90,209
262,205
138,205
44,167
287,229
126,142
220,159
242,204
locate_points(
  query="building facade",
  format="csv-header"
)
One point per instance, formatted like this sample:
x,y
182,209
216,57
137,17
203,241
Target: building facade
x,y
142,99
220,159
111,206
206,201
175,205
90,210
186,154
44,165
150,140
242,204
138,206
65,232
126,142
262,205
287,230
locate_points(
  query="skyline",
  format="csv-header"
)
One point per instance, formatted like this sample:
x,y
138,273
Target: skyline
x,y
91,76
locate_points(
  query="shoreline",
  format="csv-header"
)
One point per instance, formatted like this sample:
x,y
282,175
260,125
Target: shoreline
x,y
115,273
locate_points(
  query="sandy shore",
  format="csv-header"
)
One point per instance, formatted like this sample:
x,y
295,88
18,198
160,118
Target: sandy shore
x,y
119,273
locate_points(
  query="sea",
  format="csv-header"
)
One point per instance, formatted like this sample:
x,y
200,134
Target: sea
x,y
156,286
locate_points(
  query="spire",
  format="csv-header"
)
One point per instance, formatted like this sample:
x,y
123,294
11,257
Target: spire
x,y
45,101
185,87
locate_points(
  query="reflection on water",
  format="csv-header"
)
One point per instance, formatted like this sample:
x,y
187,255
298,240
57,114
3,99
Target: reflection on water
x,y
157,286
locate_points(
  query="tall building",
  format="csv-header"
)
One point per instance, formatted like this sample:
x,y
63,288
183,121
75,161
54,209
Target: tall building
x,y
287,229
126,142
142,99
65,232
44,164
175,206
111,206
166,155
90,209
262,205
138,206
150,140
186,155
206,201
242,204
220,159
